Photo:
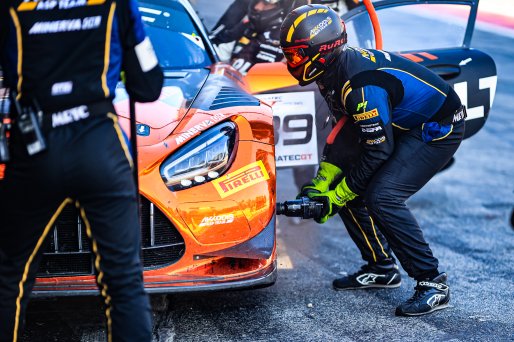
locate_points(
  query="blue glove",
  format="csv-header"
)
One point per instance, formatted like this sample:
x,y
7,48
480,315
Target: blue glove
x,y
327,173
333,200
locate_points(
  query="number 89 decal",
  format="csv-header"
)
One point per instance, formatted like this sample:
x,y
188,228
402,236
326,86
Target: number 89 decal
x,y
295,129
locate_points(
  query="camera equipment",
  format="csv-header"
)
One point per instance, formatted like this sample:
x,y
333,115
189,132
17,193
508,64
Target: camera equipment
x,y
28,124
303,207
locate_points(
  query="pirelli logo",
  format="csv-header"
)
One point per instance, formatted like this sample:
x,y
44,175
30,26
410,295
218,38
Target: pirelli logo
x,y
366,116
241,179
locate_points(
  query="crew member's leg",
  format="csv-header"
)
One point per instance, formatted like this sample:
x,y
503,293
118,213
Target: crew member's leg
x,y
364,232
411,166
106,199
30,200
381,270
343,150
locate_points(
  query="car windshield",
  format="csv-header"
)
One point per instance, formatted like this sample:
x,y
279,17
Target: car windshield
x,y
177,41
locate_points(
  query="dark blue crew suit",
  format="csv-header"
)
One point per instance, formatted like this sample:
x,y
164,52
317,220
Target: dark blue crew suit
x,y
407,123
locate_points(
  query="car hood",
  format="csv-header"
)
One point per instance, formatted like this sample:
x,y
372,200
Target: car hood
x,y
179,90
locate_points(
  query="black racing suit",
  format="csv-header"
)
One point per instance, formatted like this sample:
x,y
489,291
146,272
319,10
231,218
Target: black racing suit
x,y
257,47
67,57
405,124
256,33
232,24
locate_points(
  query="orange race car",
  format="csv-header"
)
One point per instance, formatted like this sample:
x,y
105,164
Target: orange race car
x,y
206,175
206,153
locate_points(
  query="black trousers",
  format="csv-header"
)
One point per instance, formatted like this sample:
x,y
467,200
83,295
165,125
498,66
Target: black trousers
x,y
87,164
345,151
413,163
365,233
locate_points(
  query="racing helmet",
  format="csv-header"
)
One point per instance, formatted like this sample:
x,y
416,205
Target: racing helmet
x,y
263,20
311,37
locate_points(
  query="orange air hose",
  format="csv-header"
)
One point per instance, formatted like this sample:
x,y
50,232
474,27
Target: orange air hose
x,y
374,21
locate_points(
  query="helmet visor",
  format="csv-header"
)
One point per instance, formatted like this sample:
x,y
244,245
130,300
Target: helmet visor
x,y
295,56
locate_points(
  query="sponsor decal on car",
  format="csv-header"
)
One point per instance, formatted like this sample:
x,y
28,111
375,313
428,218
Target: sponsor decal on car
x,y
295,127
142,130
294,157
366,115
215,220
198,128
241,179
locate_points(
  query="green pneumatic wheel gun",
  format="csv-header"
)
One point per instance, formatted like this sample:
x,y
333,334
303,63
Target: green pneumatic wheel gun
x,y
303,207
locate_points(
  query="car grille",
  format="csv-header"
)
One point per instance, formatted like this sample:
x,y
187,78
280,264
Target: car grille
x,y
68,250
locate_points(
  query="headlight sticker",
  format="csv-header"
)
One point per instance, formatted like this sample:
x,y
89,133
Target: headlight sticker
x,y
241,179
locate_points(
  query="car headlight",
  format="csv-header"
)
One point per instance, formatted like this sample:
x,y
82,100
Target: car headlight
x,y
200,160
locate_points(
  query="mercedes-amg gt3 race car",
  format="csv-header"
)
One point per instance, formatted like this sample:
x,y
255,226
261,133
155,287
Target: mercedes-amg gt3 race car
x,y
206,152
206,175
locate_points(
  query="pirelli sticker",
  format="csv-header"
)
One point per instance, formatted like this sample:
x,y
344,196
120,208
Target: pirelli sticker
x,y
241,179
366,116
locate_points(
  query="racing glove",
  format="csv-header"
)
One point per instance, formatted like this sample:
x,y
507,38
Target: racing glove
x,y
333,200
327,173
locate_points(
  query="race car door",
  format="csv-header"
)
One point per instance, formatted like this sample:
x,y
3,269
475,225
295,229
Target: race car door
x,y
437,34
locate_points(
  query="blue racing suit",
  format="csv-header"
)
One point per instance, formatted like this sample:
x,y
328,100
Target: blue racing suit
x,y
65,58
408,123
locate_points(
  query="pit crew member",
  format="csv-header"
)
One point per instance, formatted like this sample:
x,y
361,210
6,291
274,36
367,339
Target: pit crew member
x,y
409,123
62,61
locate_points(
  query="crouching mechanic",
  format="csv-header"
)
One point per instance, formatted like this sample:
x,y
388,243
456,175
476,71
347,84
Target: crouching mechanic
x,y
62,62
409,123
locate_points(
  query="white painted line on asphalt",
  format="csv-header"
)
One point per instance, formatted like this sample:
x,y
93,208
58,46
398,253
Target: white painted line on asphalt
x,y
283,260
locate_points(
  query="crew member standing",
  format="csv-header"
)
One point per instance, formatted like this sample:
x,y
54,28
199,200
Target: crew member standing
x,y
409,122
62,61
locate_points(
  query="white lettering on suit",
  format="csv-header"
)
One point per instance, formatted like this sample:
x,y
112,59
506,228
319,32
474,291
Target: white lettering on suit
x,y
69,115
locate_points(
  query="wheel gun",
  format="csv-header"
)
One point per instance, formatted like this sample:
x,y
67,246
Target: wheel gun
x,y
303,207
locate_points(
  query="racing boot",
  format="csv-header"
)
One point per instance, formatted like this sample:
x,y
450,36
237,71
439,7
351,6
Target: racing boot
x,y
370,276
430,295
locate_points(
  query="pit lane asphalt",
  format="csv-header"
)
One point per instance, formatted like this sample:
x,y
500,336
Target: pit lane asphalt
x,y
464,212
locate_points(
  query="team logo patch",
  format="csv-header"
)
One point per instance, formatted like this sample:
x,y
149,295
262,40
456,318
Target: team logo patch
x,y
241,179
366,116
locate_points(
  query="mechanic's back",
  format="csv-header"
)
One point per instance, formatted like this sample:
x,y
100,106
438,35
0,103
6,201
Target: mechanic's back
x,y
415,92
62,61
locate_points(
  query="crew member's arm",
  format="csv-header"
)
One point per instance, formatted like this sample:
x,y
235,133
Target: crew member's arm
x,y
231,25
143,75
369,107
